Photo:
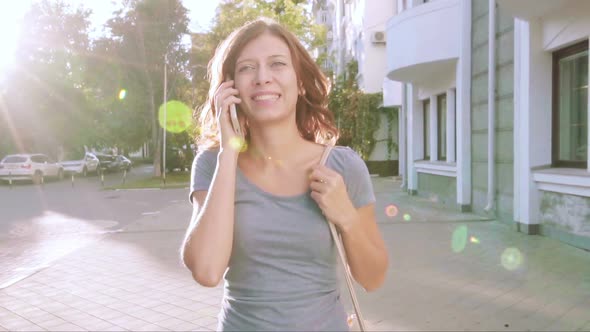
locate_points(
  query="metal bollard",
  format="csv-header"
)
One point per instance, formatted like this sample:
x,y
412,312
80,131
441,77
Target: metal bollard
x,y
72,179
10,179
102,178
124,176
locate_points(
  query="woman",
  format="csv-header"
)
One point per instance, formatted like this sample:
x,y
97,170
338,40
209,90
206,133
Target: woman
x,y
259,217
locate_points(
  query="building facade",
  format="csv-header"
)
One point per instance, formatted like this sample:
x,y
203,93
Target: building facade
x,y
356,32
495,109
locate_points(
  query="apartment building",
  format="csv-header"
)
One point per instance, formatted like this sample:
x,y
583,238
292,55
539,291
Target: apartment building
x,y
495,109
356,31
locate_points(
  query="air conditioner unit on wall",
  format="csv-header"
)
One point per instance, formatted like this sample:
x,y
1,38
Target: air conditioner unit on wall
x,y
378,37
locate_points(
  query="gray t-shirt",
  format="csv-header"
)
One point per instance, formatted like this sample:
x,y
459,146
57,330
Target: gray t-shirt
x,y
283,273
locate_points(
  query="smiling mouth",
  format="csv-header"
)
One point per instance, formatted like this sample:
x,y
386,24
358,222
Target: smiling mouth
x,y
266,97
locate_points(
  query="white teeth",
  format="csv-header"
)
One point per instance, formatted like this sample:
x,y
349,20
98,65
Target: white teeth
x,y
266,97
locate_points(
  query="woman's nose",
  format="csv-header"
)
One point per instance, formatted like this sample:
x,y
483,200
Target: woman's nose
x,y
263,75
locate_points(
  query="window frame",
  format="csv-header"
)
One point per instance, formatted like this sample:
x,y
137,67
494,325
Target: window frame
x,y
426,126
557,56
439,124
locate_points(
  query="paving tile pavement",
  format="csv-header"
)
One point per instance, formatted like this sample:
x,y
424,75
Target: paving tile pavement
x,y
448,271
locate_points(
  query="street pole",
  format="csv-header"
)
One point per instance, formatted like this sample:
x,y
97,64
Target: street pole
x,y
165,115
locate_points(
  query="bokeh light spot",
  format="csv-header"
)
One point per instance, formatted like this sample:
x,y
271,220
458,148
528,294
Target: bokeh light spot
x,y
122,94
178,116
473,239
239,144
407,217
511,258
459,239
391,211
351,319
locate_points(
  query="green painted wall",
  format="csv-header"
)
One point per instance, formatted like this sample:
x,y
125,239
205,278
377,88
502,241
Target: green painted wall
x,y
566,218
504,121
438,189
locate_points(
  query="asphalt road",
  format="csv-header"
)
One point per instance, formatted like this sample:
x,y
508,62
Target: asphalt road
x,y
39,224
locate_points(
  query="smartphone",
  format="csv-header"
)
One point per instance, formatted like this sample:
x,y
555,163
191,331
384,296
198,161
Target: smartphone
x,y
233,114
234,120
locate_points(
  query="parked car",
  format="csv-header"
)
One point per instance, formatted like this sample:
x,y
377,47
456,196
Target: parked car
x,y
33,167
111,163
84,164
122,163
105,162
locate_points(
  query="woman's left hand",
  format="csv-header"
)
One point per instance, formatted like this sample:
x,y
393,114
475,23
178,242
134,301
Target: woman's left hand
x,y
329,192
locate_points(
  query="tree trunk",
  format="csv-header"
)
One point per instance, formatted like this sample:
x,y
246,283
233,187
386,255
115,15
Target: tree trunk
x,y
157,152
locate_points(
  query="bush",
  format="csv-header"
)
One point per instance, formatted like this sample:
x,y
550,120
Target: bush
x,y
178,158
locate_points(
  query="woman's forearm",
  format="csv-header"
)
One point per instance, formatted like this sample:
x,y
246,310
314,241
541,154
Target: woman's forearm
x,y
366,252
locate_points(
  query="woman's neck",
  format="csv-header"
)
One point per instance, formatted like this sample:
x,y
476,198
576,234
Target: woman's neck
x,y
276,146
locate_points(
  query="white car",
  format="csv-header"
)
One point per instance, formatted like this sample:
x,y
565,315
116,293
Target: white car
x,y
87,164
33,167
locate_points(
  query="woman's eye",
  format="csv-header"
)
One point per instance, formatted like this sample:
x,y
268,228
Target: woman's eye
x,y
278,64
245,68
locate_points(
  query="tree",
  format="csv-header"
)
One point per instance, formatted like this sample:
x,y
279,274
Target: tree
x,y
357,114
291,13
144,34
44,92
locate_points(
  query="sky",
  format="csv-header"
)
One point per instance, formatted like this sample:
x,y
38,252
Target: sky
x,y
201,12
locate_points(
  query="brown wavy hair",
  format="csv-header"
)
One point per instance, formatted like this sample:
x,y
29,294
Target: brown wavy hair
x,y
315,121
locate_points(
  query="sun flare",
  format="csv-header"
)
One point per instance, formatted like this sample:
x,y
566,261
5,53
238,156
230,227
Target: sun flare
x,y
10,17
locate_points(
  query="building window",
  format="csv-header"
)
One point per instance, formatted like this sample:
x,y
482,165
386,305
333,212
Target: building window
x,y
570,106
426,110
441,118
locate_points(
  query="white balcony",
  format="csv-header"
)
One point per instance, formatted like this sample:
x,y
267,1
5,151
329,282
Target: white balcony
x,y
528,9
423,42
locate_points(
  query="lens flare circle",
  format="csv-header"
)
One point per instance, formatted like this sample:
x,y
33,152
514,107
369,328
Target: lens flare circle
x,y
239,144
407,217
511,258
391,211
459,239
178,116
122,94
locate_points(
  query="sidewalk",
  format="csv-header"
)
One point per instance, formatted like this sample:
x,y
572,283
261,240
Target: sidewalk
x,y
448,271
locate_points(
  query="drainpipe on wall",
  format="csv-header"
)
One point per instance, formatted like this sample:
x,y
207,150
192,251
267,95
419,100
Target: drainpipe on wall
x,y
402,156
491,101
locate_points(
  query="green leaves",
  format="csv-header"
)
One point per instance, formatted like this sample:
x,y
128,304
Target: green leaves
x,y
44,92
65,88
357,114
235,13
145,35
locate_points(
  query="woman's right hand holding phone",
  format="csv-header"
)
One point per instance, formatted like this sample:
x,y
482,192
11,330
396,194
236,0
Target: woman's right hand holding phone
x,y
225,96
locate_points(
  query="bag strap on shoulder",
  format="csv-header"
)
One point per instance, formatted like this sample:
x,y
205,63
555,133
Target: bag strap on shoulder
x,y
342,254
325,155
